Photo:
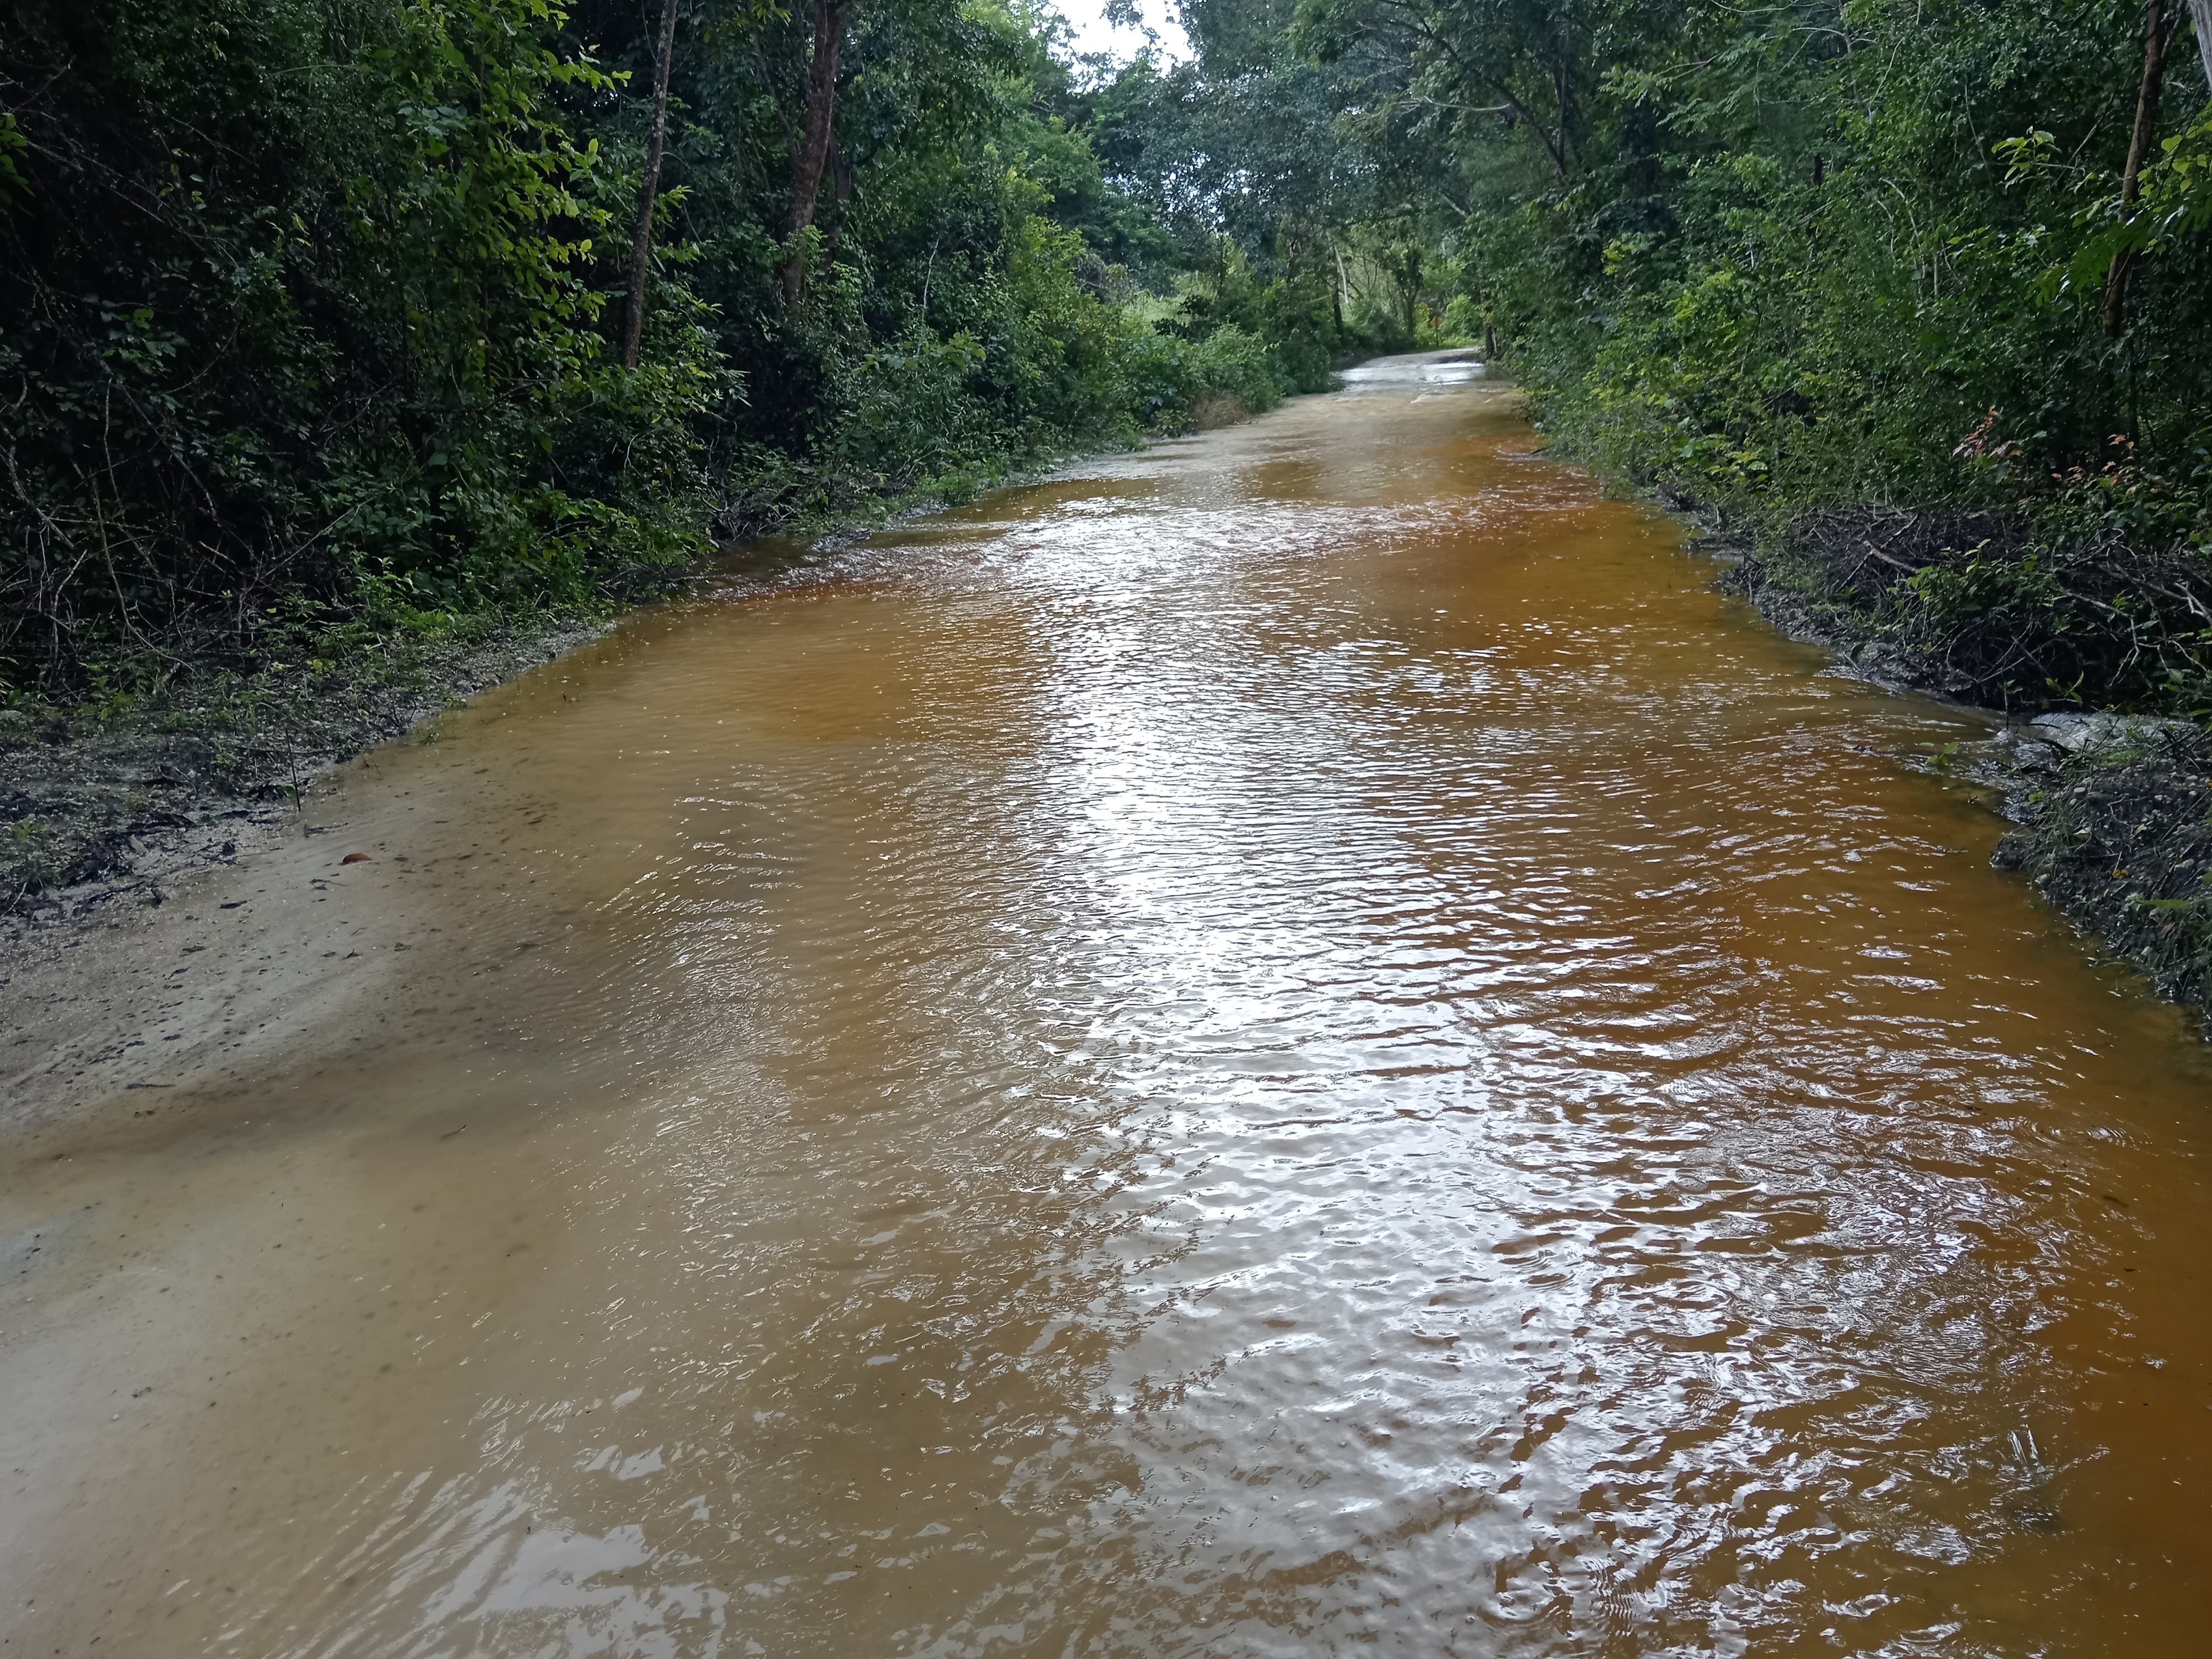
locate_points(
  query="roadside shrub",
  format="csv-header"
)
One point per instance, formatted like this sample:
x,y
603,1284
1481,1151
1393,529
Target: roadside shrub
x,y
301,311
1229,363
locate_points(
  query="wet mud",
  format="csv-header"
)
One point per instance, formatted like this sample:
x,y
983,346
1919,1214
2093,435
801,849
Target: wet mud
x,y
1301,1043
101,813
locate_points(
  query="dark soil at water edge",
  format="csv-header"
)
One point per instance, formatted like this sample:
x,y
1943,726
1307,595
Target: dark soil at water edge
x,y
97,811
2115,810
2116,832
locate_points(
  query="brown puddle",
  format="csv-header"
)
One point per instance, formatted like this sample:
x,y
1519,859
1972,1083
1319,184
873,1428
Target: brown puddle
x,y
1298,1044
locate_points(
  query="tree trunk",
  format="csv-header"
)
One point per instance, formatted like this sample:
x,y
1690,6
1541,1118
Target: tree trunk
x,y
634,312
1556,151
840,192
2139,147
814,144
1565,100
2200,13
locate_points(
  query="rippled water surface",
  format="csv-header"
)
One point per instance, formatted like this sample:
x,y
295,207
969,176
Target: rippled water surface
x,y
1298,1044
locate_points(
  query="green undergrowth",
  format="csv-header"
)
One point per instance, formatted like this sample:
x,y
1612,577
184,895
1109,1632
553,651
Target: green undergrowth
x,y
1980,606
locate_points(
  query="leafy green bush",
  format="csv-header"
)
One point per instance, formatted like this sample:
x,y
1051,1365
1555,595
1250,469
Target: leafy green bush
x,y
1229,362
304,315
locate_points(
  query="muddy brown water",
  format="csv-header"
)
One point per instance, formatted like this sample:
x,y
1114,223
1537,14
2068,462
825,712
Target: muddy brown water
x,y
1297,1044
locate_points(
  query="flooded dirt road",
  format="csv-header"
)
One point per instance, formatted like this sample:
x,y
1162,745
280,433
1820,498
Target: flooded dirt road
x,y
1299,1044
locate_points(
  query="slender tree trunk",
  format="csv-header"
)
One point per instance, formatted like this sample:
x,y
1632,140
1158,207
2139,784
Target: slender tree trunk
x,y
840,192
2139,146
1343,296
1556,151
814,143
2200,13
641,249
1565,98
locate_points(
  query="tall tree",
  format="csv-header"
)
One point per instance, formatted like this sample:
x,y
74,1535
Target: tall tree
x,y
642,248
815,142
2155,31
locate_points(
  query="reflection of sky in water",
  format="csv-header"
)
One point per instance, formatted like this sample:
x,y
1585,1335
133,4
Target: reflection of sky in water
x,y
553,1592
1449,369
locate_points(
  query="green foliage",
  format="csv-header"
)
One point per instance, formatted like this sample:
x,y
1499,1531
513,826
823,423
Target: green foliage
x,y
1804,260
1231,362
310,337
306,321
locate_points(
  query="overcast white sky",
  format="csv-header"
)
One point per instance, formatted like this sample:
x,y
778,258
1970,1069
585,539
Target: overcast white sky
x,y
1093,33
